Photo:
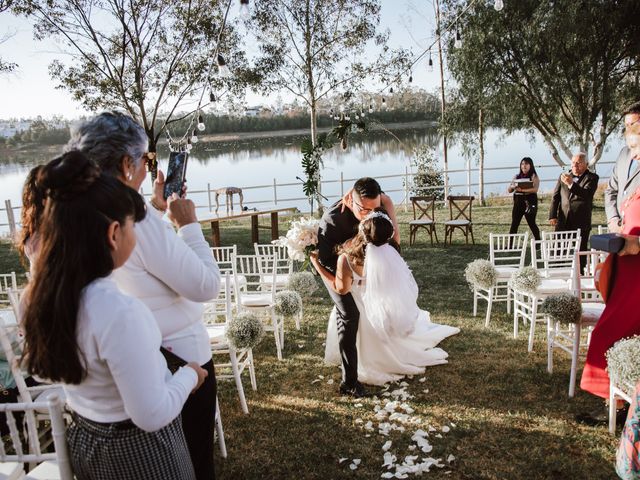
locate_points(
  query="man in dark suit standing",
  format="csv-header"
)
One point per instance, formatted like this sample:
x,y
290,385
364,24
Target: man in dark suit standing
x,y
572,201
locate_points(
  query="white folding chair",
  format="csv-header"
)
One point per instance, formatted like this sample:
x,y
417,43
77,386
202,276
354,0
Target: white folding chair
x,y
556,265
260,293
617,392
283,265
239,360
224,257
506,253
222,444
8,282
56,465
568,337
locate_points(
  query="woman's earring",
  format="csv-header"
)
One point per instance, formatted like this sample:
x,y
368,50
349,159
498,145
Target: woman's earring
x,y
129,176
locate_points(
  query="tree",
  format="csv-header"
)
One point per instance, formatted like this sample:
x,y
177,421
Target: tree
x,y
5,67
565,68
147,57
315,47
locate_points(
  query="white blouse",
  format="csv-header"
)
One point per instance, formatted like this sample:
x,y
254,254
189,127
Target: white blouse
x,y
127,376
172,275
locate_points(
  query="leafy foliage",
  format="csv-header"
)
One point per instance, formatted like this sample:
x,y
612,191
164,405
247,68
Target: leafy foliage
x,y
564,68
428,179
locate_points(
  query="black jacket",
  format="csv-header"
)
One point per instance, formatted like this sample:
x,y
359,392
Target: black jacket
x,y
572,206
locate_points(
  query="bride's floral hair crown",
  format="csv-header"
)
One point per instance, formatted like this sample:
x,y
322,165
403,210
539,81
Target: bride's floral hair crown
x,y
377,214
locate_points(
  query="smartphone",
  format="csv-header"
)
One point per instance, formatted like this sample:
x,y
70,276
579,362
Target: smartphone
x,y
176,172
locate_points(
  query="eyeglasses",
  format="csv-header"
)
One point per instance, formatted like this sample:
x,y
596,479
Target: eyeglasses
x,y
361,208
628,124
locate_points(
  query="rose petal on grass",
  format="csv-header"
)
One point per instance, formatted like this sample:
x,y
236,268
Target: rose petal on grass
x,y
340,460
330,381
387,445
423,379
450,458
445,429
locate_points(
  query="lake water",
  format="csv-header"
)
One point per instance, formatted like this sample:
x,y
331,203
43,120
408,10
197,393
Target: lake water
x,y
260,162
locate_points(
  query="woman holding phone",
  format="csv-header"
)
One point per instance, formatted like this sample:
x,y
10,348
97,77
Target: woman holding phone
x,y
171,273
81,330
525,198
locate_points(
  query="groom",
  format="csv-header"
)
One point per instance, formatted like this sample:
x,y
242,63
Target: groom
x,y
338,224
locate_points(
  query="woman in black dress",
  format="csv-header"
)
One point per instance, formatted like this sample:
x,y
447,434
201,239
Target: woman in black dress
x,y
525,200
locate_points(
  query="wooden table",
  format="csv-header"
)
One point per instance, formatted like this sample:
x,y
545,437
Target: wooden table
x,y
215,219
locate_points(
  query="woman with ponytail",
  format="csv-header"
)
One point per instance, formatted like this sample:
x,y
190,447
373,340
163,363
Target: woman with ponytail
x,y
395,337
103,346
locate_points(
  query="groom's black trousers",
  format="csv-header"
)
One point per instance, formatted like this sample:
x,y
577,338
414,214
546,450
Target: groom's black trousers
x,y
348,318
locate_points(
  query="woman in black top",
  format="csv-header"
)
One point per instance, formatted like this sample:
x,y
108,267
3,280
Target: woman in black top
x,y
525,200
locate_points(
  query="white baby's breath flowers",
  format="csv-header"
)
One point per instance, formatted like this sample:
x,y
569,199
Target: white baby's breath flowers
x,y
288,303
244,330
563,307
526,279
302,282
623,363
481,273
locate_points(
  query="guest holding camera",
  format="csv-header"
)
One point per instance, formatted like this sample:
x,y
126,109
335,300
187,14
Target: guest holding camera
x,y
525,197
171,273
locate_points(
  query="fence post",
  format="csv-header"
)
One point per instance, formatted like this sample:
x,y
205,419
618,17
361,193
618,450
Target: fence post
x,y
469,177
275,192
10,219
209,196
341,184
406,189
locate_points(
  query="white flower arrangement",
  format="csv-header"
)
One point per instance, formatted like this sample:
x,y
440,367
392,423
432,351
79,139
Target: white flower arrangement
x,y
481,274
288,303
301,239
623,363
563,308
302,282
244,330
526,279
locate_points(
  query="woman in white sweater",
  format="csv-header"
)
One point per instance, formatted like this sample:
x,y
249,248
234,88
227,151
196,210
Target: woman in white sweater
x,y
171,273
101,344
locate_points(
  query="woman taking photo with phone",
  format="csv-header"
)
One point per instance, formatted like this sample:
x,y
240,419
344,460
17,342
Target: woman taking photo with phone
x,y
525,197
101,344
172,273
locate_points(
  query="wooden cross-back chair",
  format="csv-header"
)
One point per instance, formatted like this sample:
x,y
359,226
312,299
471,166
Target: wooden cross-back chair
x,y
423,217
459,217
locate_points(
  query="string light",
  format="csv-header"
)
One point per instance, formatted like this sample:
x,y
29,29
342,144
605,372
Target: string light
x,y
391,90
430,65
458,42
371,108
410,78
244,8
201,125
498,5
194,137
362,115
223,69
212,97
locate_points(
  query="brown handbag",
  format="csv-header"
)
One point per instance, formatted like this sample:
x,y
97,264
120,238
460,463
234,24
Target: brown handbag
x,y
604,276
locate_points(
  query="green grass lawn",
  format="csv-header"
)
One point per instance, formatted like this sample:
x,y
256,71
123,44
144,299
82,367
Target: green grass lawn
x,y
512,419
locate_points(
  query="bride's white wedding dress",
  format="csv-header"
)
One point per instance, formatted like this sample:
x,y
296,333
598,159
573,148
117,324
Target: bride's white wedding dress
x,y
395,338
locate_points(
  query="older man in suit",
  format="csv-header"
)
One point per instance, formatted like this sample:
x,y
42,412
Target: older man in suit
x,y
572,200
625,177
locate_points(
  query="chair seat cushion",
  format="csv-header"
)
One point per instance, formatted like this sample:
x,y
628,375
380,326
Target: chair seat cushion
x,y
553,285
422,221
11,471
591,313
506,272
457,223
256,300
556,272
216,333
45,471
281,279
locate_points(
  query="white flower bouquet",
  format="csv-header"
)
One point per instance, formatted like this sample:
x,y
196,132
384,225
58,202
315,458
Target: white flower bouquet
x,y
288,303
526,279
481,274
623,363
303,282
244,330
301,239
563,308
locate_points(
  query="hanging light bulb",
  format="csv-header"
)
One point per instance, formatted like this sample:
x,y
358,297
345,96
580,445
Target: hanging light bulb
x,y
244,8
362,115
371,108
430,65
336,118
410,77
194,137
391,90
384,103
357,116
212,97
201,125
458,42
223,69
189,147
498,5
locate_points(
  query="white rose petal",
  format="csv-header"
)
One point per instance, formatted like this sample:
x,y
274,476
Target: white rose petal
x,y
356,461
330,381
450,458
423,379
342,460
445,429
387,445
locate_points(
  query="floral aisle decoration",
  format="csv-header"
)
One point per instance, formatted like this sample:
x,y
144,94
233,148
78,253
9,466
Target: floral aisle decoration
x,y
288,303
244,330
526,279
303,282
563,307
481,274
301,239
623,363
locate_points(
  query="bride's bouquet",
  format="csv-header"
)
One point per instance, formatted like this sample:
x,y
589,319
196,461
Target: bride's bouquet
x,y
301,239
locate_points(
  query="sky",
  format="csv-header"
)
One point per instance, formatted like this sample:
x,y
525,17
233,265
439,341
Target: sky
x,y
29,91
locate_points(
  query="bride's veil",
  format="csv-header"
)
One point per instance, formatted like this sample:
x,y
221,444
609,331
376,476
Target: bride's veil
x,y
391,292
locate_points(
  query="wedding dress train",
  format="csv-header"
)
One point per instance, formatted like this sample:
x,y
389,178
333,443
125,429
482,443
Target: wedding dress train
x,y
395,338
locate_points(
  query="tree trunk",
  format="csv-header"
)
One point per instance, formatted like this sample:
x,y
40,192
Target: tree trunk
x,y
481,162
443,104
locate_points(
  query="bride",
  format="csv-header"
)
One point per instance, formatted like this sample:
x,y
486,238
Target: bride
x,y
395,337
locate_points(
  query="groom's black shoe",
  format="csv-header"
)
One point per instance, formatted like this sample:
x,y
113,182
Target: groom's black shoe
x,y
356,391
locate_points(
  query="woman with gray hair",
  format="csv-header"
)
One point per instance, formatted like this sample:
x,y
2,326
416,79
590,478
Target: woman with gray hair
x,y
171,273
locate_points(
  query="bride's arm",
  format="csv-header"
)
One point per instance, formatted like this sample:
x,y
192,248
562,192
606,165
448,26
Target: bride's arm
x,y
341,281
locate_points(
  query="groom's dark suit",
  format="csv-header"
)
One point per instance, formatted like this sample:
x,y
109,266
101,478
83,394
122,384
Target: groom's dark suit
x,y
336,227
